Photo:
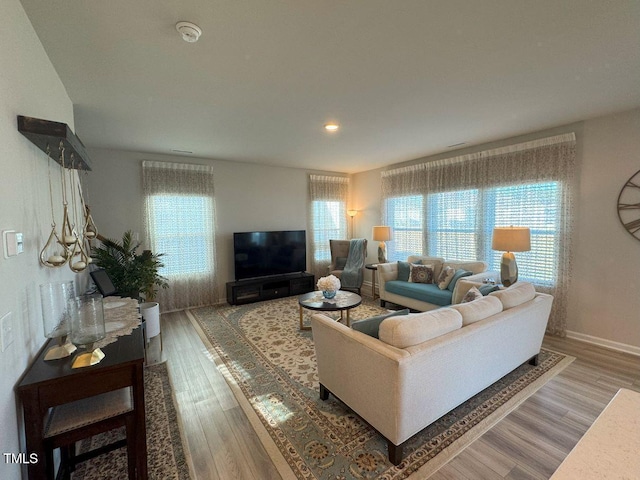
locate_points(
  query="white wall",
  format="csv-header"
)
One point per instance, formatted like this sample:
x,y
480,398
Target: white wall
x,y
29,86
604,299
248,197
605,292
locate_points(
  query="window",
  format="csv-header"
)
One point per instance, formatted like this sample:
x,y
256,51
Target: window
x,y
180,213
182,231
329,222
453,225
459,225
535,206
406,218
328,196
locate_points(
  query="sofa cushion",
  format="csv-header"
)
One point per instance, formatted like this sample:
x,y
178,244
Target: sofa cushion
x,y
371,325
457,276
516,294
444,279
406,331
472,294
404,269
420,291
421,273
479,309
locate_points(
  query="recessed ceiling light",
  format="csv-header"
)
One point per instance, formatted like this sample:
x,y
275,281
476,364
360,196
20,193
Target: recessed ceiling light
x,y
456,144
331,127
181,151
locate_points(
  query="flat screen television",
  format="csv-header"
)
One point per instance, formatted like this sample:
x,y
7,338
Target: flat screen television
x,y
262,254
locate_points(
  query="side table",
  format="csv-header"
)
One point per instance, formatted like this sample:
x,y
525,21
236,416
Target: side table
x,y
51,383
374,271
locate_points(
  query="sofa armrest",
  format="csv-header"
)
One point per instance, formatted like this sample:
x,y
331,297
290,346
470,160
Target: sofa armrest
x,y
386,273
466,283
351,365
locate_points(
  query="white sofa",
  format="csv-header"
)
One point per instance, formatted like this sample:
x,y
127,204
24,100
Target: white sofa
x,y
404,381
388,272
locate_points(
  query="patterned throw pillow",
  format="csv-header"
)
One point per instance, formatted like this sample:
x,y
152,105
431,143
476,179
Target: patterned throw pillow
x,y
445,277
471,295
421,273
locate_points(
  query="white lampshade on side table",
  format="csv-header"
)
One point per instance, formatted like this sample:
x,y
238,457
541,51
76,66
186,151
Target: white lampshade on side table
x,y
508,240
150,312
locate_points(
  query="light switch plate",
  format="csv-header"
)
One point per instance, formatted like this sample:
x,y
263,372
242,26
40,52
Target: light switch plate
x,y
6,331
13,243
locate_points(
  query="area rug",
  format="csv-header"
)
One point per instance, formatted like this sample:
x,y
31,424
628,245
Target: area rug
x,y
166,458
271,367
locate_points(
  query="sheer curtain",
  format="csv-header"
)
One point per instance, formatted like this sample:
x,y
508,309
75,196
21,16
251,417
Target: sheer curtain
x,y
180,223
328,197
449,208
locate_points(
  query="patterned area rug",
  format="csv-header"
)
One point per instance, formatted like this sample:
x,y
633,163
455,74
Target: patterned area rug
x,y
271,367
165,453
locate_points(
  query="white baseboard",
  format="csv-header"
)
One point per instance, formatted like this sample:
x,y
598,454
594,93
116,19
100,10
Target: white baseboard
x,y
603,342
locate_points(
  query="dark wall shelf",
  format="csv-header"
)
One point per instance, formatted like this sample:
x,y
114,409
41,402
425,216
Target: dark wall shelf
x,y
48,134
267,288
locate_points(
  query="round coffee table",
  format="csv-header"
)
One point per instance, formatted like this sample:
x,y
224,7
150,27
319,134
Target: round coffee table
x,y
343,301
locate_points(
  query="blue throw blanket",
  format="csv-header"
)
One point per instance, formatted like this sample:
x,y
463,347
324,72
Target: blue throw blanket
x,y
352,274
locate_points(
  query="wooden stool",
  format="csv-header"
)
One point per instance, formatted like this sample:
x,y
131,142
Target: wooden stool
x,y
75,421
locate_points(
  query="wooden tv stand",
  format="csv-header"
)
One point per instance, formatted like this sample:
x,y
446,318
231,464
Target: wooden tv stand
x,y
267,288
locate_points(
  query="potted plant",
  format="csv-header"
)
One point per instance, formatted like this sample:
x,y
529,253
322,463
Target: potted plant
x,y
134,275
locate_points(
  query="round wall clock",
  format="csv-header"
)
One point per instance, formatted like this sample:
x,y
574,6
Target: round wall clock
x,y
629,205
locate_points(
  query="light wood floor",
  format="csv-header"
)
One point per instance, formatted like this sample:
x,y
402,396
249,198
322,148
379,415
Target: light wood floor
x,y
530,443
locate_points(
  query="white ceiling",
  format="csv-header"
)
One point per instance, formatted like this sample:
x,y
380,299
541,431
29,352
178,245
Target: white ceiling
x,y
405,79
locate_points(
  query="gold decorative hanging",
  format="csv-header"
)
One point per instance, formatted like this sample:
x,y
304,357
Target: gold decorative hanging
x,y
54,253
72,244
78,260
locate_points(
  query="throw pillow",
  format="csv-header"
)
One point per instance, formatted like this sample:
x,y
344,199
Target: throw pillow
x,y
457,276
445,277
340,263
404,269
371,326
471,295
421,273
487,288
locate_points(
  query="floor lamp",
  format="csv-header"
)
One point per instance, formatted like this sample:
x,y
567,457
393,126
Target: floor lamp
x,y
382,234
352,214
509,240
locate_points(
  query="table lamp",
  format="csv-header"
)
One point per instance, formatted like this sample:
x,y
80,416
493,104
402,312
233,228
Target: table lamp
x,y
382,234
509,240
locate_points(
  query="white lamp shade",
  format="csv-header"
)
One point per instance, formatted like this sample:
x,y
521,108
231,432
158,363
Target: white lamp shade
x,y
381,233
511,239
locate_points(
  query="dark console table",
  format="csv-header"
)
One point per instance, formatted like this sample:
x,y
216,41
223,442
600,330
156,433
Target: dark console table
x,y
267,288
46,384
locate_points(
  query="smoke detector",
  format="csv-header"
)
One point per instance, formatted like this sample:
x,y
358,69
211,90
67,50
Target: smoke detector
x,y
190,31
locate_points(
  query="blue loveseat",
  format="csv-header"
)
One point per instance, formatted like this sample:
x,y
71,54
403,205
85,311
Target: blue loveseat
x,y
395,287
